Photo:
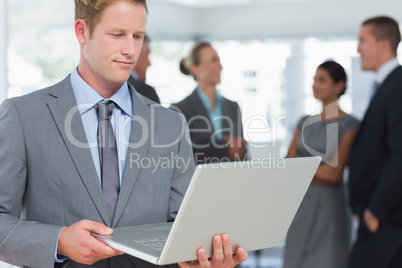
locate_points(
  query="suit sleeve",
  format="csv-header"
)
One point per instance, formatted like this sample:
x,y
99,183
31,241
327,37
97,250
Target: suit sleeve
x,y
183,170
387,194
22,243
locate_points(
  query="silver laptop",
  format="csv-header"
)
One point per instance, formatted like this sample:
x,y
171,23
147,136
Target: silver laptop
x,y
254,203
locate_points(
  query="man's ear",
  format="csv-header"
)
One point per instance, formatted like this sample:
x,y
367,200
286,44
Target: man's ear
x,y
385,45
81,31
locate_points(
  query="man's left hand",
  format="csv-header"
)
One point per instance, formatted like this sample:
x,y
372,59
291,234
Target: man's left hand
x,y
371,221
222,255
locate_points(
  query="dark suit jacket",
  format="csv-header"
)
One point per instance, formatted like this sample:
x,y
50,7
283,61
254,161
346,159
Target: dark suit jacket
x,y
144,89
206,147
376,156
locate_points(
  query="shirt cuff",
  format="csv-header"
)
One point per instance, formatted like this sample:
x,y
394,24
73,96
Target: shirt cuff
x,y
59,258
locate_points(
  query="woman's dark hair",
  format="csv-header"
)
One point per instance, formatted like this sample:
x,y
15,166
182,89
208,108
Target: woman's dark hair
x,y
193,58
336,71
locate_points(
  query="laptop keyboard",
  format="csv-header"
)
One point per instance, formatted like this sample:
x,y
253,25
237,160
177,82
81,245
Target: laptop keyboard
x,y
155,243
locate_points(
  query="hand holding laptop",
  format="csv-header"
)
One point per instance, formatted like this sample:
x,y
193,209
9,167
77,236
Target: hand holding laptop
x,y
222,255
77,243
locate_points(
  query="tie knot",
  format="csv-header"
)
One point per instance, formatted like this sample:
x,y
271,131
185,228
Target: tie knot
x,y
105,110
375,86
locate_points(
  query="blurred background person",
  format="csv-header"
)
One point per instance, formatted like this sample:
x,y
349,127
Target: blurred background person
x,y
375,183
215,122
138,75
319,235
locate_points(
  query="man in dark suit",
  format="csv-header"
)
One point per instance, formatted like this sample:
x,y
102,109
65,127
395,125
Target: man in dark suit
x,y
138,75
375,181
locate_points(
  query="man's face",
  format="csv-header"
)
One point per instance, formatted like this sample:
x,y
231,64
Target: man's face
x,y
369,49
110,55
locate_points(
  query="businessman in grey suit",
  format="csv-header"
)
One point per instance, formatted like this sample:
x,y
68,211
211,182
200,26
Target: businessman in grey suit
x,y
55,188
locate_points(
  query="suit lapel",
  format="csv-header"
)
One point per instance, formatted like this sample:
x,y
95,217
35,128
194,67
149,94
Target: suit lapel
x,y
198,106
377,98
226,112
201,110
139,145
63,108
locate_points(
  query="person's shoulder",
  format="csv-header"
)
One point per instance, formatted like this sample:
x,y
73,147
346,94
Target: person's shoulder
x,y
159,110
229,102
351,122
352,118
169,118
399,74
395,77
40,95
307,118
398,69
164,119
393,88
189,100
138,83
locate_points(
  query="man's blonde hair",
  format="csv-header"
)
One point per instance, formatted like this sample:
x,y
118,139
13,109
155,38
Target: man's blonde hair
x,y
91,10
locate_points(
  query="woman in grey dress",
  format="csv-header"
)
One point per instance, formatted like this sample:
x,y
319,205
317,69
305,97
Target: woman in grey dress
x,y
319,236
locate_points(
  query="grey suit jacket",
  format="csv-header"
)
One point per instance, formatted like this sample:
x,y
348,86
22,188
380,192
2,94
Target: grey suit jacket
x,y
48,179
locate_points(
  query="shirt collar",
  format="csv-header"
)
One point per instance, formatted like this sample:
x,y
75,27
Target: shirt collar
x,y
206,101
86,96
385,70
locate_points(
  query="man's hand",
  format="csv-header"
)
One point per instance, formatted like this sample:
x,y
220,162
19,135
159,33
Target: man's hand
x,y
77,243
372,222
222,255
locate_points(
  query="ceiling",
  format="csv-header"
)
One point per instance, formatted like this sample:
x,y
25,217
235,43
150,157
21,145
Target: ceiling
x,y
220,3
261,19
